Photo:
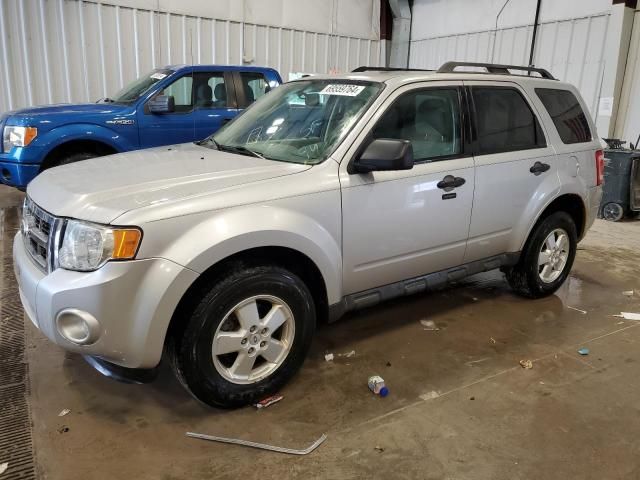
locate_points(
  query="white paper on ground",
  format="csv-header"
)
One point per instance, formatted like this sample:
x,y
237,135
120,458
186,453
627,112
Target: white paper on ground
x,y
630,316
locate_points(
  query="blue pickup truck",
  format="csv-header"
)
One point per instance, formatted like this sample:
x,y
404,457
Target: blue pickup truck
x,y
174,104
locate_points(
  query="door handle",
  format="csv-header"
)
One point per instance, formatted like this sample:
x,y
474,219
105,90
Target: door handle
x,y
539,167
450,182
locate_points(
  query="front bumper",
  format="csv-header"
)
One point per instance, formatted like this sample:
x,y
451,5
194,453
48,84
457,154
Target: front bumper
x,y
133,302
17,174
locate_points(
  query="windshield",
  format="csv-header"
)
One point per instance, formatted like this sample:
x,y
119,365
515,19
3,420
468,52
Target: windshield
x,y
299,122
137,88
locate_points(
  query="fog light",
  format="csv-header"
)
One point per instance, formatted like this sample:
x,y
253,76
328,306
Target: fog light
x,y
77,326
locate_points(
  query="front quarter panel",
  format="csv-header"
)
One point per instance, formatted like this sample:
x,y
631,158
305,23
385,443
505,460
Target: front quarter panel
x,y
309,224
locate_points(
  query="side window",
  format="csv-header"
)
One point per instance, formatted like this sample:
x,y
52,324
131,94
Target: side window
x,y
254,86
566,113
429,118
181,90
210,91
505,121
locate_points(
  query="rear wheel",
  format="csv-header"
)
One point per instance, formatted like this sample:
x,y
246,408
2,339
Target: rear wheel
x,y
245,338
613,212
547,257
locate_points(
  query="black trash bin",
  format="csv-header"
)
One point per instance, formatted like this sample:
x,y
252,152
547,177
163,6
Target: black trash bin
x,y
621,190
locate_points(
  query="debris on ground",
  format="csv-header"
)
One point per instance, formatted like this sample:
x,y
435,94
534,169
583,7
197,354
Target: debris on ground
x,y
350,354
388,364
379,448
377,386
64,412
3,467
472,398
430,395
472,362
583,351
63,429
620,323
492,340
263,446
268,401
328,357
630,316
429,324
526,364
628,293
584,312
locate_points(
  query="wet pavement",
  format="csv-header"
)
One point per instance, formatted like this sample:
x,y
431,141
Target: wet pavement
x,y
460,405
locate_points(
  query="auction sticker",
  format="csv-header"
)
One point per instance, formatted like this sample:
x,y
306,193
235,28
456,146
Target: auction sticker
x,y
158,76
342,89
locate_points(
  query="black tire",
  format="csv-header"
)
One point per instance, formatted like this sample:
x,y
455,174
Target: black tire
x,y
614,212
75,157
524,277
190,348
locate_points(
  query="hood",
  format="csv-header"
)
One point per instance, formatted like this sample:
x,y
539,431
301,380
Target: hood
x,y
47,114
101,189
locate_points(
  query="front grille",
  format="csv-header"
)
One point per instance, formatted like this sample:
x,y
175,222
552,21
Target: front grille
x,y
37,227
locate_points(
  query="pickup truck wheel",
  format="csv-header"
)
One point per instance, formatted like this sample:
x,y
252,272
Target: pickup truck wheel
x,y
547,257
246,337
75,157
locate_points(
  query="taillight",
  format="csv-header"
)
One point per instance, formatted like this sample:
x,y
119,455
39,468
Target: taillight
x,y
599,167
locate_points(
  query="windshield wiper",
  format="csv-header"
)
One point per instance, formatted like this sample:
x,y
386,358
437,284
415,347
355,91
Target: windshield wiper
x,y
206,141
239,149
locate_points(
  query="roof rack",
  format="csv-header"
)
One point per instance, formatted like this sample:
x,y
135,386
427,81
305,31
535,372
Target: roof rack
x,y
388,69
494,68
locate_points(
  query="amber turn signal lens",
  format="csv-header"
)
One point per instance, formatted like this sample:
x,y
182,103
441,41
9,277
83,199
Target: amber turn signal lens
x,y
125,243
29,134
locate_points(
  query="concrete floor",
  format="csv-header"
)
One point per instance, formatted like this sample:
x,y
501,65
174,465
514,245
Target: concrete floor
x,y
460,407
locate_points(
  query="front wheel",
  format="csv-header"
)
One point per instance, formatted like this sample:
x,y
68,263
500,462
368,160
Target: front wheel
x,y
547,257
245,338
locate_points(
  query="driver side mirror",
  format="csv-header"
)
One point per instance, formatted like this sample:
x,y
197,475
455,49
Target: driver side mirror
x,y
384,154
162,104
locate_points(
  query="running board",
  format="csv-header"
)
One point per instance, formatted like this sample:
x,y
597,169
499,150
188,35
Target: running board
x,y
430,281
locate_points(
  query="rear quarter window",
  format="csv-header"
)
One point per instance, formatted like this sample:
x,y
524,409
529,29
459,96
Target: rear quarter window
x,y
567,114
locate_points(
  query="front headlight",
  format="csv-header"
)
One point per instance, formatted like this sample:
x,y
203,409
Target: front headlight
x,y
13,136
87,246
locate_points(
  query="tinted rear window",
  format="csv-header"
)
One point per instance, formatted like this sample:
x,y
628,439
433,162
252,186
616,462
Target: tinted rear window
x,y
566,113
505,121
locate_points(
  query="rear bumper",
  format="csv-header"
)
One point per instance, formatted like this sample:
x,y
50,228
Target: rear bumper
x,y
595,196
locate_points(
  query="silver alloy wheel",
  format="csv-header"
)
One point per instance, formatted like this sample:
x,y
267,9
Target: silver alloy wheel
x,y
613,212
553,255
253,339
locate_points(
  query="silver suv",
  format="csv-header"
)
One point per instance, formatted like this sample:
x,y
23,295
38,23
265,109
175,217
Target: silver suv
x,y
330,193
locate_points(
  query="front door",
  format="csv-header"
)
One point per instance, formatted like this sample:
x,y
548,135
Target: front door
x,y
157,129
215,102
402,224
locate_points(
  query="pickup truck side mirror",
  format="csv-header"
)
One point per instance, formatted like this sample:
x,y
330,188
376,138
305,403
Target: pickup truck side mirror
x,y
162,104
385,154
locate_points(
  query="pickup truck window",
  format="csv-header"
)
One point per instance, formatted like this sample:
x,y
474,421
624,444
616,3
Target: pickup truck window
x,y
210,90
137,88
299,122
182,93
254,86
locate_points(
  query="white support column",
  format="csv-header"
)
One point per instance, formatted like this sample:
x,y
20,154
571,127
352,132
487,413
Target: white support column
x,y
616,49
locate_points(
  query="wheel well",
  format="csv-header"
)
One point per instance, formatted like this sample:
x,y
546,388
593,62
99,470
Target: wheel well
x,y
573,205
76,146
294,261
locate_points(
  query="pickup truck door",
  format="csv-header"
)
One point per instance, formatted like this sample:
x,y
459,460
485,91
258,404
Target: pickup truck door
x,y
215,101
157,129
515,167
402,224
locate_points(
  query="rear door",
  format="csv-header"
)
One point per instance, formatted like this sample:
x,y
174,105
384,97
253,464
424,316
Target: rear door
x,y
402,224
514,162
215,101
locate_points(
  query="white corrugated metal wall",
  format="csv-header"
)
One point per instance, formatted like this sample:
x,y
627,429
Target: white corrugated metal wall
x,y
572,49
75,50
628,123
